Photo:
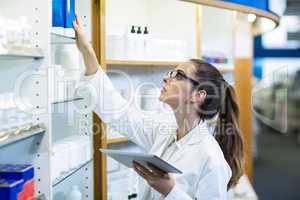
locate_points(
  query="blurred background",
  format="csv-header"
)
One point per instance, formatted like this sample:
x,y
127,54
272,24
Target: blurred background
x,y
276,105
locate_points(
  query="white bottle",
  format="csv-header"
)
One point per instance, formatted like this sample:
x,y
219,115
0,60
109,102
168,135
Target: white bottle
x,y
131,44
140,45
68,57
26,34
147,40
75,193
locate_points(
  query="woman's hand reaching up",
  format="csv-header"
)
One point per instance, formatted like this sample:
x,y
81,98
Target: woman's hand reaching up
x,y
85,47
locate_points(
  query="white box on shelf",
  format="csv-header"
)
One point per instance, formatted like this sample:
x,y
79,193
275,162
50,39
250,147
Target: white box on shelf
x,y
74,152
60,160
115,48
162,49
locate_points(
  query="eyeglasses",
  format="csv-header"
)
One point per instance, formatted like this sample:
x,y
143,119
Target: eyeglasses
x,y
180,75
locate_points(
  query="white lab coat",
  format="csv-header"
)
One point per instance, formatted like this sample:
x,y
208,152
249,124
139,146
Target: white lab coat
x,y
198,155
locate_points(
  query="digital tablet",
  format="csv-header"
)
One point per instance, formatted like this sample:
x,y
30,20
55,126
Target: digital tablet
x,y
126,158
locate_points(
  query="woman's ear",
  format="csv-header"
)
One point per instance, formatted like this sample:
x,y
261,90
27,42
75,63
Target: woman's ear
x,y
199,96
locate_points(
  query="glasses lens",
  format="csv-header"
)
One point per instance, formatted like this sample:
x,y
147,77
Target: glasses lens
x,y
176,74
179,75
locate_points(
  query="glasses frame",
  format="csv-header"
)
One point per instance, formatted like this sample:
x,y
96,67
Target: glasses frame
x,y
174,73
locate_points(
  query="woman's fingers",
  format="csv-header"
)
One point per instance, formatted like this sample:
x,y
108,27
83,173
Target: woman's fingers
x,y
141,172
78,20
144,170
75,25
156,170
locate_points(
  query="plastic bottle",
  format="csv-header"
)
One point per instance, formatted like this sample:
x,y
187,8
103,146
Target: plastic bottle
x,y
146,42
75,193
12,33
140,45
26,33
68,57
131,44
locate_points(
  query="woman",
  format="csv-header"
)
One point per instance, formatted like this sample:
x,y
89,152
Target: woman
x,y
196,91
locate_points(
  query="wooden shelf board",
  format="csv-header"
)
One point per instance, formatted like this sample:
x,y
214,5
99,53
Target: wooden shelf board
x,y
117,140
141,62
223,68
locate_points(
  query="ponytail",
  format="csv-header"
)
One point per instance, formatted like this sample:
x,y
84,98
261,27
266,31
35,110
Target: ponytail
x,y
228,134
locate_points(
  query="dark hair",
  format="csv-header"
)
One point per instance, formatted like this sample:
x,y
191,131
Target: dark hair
x,y
221,100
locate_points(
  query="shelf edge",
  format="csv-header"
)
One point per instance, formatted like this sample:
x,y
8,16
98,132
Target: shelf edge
x,y
22,136
117,140
144,63
70,173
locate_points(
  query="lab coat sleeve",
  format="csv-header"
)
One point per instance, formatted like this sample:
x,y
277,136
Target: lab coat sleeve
x,y
211,186
118,113
177,194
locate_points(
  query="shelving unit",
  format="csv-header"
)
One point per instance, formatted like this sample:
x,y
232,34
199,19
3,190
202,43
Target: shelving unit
x,y
27,72
198,30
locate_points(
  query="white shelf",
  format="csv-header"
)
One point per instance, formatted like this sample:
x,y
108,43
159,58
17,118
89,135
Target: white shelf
x,y
61,39
16,53
69,174
12,138
142,63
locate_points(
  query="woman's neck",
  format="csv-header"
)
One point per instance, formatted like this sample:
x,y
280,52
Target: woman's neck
x,y
186,121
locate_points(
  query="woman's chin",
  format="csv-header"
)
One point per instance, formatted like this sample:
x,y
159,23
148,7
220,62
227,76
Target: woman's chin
x,y
161,97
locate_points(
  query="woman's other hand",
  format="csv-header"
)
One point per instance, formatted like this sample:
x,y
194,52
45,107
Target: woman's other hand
x,y
156,178
81,38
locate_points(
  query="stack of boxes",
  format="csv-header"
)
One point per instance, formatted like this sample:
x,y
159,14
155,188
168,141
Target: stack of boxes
x,y
17,182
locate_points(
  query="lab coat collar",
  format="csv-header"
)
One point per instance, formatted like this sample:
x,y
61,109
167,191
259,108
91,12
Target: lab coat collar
x,y
195,136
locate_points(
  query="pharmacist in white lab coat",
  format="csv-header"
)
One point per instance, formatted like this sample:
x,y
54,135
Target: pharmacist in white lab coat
x,y
211,163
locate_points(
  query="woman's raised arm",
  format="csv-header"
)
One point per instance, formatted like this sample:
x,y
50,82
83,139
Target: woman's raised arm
x,y
120,115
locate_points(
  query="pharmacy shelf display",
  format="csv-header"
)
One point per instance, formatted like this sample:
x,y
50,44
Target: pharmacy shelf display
x,y
149,41
147,46
40,125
